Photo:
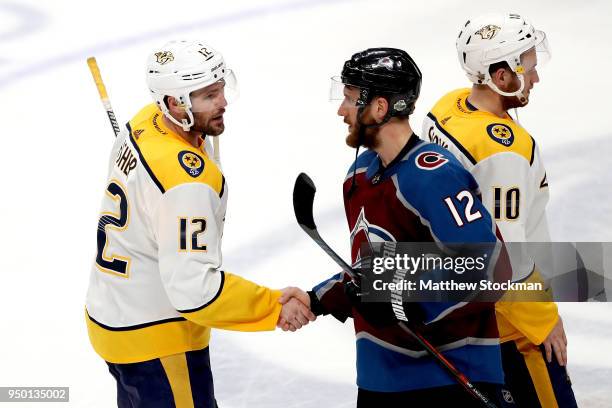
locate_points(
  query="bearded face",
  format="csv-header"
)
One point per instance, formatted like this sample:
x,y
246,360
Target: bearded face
x,y
348,110
208,107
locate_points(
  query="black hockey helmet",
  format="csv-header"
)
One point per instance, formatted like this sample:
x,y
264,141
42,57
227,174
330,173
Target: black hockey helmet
x,y
386,72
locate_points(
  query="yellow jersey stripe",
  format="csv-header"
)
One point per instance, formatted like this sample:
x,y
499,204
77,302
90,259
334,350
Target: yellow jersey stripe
x,y
146,342
538,371
177,372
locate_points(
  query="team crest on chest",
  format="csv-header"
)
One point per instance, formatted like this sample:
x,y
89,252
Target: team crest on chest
x,y
501,133
371,232
192,163
430,160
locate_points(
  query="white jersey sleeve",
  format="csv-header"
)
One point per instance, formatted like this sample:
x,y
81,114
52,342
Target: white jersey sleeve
x,y
189,217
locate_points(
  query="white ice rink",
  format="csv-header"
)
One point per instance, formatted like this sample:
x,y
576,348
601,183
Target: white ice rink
x,y
55,142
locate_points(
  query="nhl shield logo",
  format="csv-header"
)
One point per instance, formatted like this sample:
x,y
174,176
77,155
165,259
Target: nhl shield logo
x,y
501,133
191,163
488,32
163,57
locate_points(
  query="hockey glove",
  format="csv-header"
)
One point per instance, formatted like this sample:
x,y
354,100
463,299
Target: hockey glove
x,y
378,313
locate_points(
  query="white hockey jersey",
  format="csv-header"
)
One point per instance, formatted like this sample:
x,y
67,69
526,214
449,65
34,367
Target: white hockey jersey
x,y
156,285
505,161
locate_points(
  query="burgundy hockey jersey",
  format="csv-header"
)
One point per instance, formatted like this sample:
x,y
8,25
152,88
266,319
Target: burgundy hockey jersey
x,y
424,195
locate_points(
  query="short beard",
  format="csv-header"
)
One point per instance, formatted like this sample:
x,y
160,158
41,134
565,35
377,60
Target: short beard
x,y
369,137
512,102
207,128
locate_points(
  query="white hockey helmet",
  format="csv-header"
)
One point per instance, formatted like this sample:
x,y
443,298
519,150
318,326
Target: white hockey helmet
x,y
493,38
181,67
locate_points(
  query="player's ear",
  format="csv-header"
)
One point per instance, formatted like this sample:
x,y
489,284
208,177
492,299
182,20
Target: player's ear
x,y
502,77
172,102
174,106
382,106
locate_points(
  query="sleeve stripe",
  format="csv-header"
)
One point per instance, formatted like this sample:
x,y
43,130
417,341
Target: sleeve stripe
x,y
358,171
222,186
321,289
138,326
446,312
452,139
144,163
211,300
423,220
533,144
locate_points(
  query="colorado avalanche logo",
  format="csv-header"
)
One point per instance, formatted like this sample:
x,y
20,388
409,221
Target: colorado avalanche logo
x,y
430,160
385,62
501,133
363,231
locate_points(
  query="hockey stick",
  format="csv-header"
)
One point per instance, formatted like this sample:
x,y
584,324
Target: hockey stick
x,y
303,199
95,73
216,153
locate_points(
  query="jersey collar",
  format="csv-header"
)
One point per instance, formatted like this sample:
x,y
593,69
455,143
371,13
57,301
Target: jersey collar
x,y
377,172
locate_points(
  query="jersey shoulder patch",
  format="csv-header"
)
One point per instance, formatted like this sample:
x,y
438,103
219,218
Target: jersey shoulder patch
x,y
429,163
191,162
430,160
168,158
479,134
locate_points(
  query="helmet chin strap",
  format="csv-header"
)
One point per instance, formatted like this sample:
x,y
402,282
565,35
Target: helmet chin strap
x,y
519,93
184,123
360,137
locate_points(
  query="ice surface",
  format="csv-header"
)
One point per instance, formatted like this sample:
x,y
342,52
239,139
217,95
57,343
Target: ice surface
x,y
56,141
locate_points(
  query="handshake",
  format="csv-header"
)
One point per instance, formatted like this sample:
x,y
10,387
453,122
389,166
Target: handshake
x,y
295,312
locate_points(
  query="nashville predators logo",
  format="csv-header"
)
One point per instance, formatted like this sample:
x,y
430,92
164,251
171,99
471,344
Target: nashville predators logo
x,y
163,57
191,163
488,32
502,134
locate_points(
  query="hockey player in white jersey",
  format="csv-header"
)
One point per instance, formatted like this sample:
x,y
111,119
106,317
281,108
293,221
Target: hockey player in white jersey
x,y
500,54
157,285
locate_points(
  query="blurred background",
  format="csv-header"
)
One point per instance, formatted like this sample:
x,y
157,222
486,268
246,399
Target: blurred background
x,y
56,140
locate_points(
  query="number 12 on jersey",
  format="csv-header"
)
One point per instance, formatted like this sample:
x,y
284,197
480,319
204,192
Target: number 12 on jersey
x,y
469,215
197,225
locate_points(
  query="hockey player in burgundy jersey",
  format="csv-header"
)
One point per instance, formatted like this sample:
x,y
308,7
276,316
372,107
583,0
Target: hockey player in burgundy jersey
x,y
404,189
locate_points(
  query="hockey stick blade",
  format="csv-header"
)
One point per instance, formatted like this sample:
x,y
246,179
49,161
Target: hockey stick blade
x,y
303,199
